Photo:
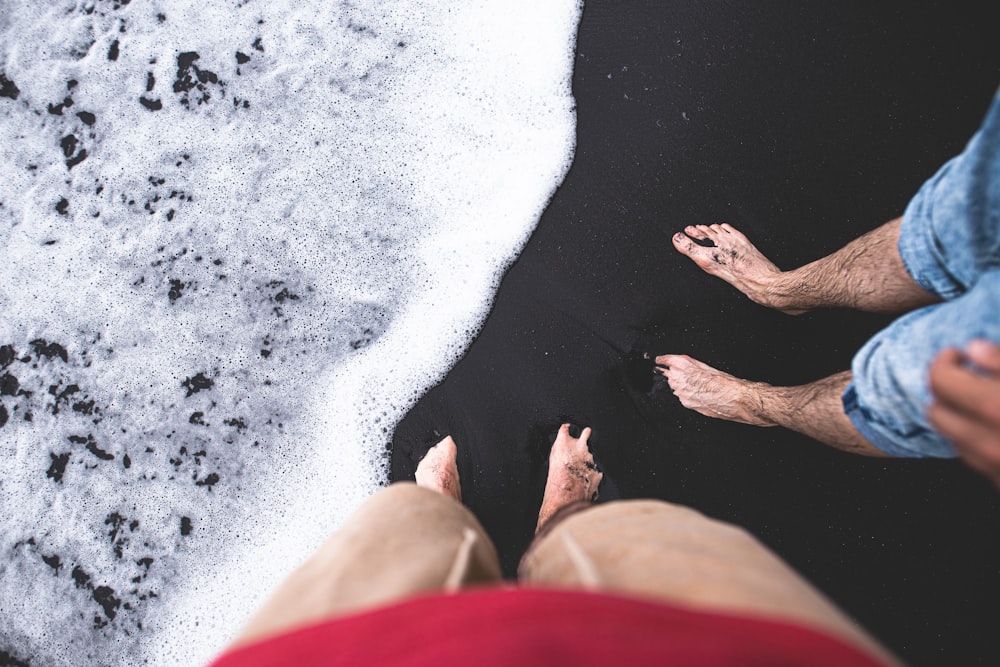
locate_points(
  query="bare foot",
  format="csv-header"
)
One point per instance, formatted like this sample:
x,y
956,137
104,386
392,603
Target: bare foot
x,y
735,260
438,470
711,392
573,475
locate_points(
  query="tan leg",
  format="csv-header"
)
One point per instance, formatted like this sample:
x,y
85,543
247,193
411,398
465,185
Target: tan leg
x,y
813,409
867,274
652,549
404,541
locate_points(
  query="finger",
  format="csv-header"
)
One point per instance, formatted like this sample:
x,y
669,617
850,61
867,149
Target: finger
x,y
940,369
977,445
585,435
972,439
964,390
984,354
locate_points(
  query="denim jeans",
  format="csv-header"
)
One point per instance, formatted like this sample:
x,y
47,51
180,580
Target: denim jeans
x,y
950,245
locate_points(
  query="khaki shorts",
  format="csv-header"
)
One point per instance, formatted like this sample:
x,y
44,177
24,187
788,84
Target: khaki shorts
x,y
407,541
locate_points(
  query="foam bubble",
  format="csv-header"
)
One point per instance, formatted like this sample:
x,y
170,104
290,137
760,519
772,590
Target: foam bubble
x,y
238,241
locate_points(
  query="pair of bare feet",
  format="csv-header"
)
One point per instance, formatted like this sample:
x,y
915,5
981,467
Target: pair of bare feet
x,y
573,476
733,258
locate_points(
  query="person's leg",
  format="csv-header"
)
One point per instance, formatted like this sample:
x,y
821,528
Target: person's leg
x,y
890,396
945,247
813,409
867,274
947,238
879,408
406,540
668,553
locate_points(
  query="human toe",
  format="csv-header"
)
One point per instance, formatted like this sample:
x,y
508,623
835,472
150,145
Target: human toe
x,y
697,231
663,359
685,245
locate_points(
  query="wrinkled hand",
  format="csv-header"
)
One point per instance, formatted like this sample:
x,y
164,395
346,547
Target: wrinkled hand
x,y
966,407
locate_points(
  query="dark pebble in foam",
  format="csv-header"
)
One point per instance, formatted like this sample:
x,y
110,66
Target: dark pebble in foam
x,y
53,561
236,422
87,117
80,577
242,58
68,144
185,526
197,383
58,466
3,415
9,385
62,206
57,109
113,51
50,350
62,397
186,59
285,295
7,355
98,452
7,88
80,157
152,105
8,660
210,481
105,596
176,290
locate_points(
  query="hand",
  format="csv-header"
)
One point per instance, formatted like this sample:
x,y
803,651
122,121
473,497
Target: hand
x,y
966,407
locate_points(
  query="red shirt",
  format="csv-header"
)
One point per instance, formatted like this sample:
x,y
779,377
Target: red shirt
x,y
530,626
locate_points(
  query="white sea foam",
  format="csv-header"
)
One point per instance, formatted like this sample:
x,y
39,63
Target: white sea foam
x,y
212,319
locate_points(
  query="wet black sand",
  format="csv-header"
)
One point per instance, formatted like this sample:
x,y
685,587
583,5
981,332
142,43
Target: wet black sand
x,y
804,125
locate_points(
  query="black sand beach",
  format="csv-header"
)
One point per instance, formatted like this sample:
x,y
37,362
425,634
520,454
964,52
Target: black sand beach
x,y
803,125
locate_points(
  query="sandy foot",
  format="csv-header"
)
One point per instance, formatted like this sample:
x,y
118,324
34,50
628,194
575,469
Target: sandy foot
x,y
438,470
709,391
734,259
573,475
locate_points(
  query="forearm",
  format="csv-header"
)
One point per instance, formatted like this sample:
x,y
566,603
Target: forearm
x,y
815,410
